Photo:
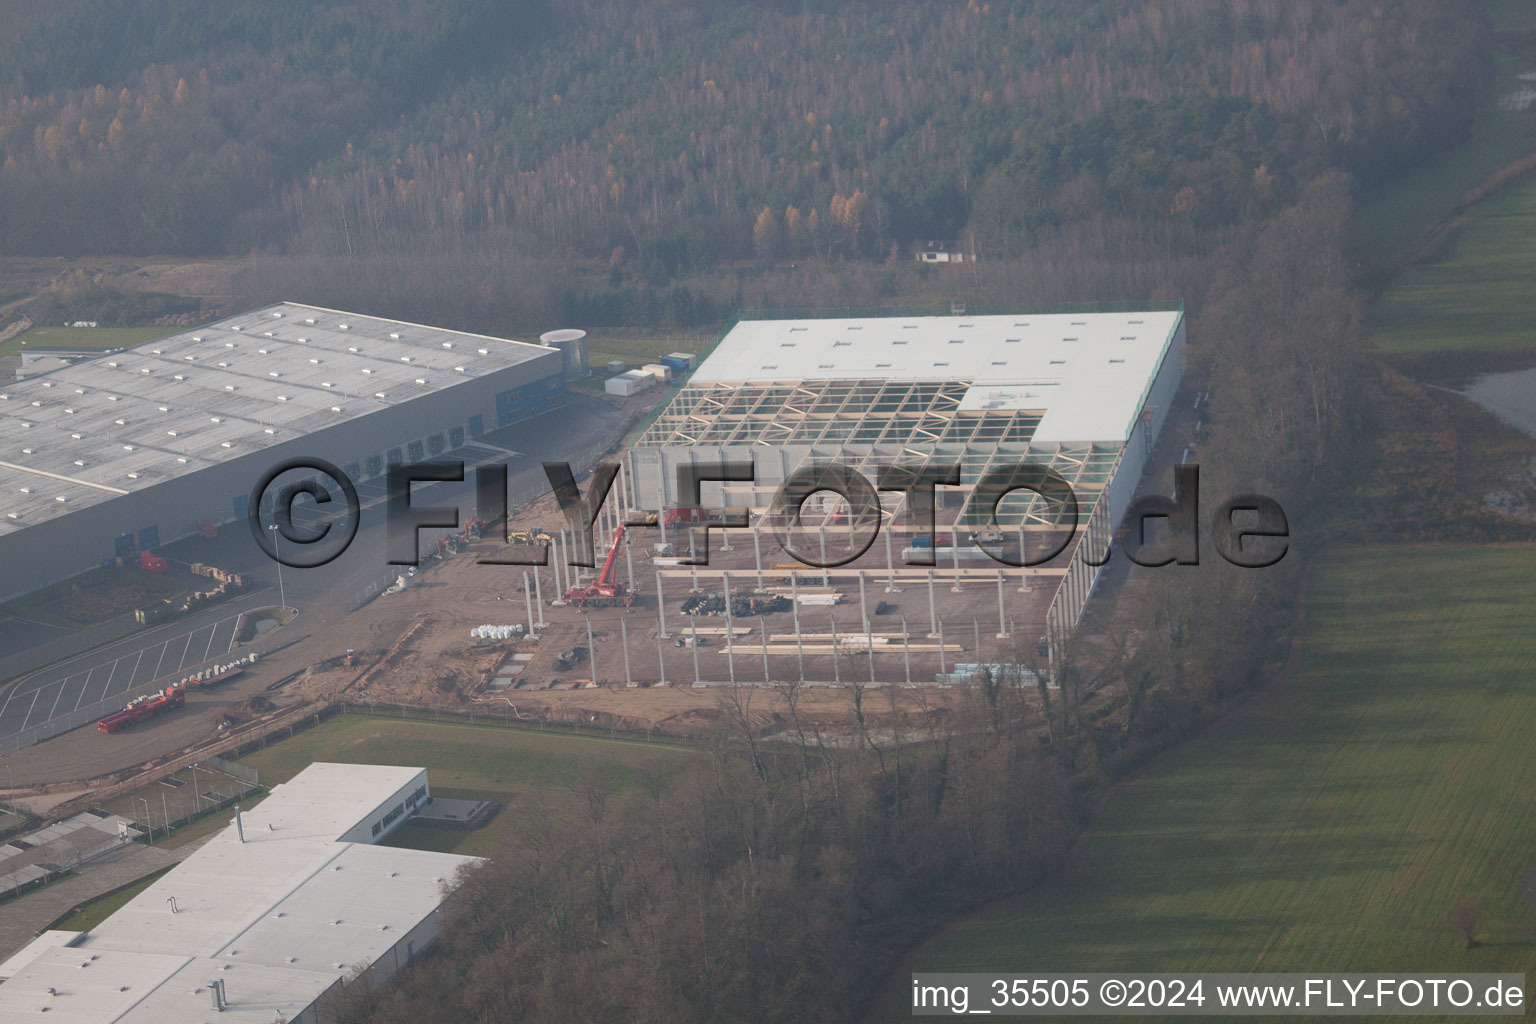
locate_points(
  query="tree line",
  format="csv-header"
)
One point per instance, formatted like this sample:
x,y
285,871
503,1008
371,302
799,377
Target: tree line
x,y
599,128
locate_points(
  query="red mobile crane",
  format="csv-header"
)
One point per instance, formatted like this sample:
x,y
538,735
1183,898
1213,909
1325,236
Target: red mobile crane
x,y
605,591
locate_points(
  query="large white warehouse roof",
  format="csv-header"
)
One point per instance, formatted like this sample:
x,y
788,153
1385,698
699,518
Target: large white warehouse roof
x,y
1088,373
126,420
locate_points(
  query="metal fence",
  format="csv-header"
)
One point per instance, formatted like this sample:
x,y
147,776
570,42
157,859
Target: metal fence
x,y
95,712
242,772
216,784
40,874
60,725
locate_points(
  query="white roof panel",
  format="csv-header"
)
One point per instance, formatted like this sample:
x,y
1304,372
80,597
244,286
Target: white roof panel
x,y
280,917
125,420
1087,372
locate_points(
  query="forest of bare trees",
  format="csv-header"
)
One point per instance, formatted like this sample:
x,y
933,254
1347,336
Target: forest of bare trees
x,y
658,135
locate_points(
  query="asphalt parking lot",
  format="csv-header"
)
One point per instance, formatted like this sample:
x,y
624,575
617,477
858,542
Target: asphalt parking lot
x,y
120,670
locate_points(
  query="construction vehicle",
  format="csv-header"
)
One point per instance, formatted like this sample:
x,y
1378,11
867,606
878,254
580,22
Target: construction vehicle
x,y
532,535
147,706
570,657
605,591
688,514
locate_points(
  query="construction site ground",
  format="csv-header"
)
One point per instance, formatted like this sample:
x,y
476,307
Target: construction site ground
x,y
414,647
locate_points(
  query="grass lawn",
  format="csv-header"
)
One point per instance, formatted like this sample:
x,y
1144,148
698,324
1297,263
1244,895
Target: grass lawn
x,y
1475,292
638,351
84,337
88,915
1391,220
251,624
1331,822
510,766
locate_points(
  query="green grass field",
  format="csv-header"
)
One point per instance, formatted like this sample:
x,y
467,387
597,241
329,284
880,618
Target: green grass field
x,y
1395,218
1469,288
84,337
510,766
1331,823
1475,292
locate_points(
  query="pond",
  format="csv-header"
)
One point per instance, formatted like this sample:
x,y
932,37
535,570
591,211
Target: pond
x,y
1509,396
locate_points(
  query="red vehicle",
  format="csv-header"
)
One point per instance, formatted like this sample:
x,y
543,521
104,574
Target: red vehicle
x,y
686,514
605,591
147,706
151,563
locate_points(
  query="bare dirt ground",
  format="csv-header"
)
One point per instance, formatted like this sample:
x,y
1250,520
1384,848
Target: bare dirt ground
x,y
415,648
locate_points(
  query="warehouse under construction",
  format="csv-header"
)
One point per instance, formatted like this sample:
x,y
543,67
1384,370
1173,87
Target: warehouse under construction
x,y
1085,394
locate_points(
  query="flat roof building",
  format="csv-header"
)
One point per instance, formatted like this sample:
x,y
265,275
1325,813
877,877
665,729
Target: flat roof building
x,y
280,908
1082,393
135,448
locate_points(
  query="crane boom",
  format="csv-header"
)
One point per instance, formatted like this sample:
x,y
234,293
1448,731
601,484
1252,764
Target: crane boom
x,y
605,591
605,578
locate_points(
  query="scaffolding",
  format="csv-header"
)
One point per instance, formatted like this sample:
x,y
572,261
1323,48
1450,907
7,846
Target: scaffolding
x,y
866,425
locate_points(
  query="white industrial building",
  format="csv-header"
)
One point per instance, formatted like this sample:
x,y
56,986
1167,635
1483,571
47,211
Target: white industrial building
x,y
280,909
1083,393
139,447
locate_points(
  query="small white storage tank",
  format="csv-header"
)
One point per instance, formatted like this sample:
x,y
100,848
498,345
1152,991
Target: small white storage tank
x,y
631,383
573,350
